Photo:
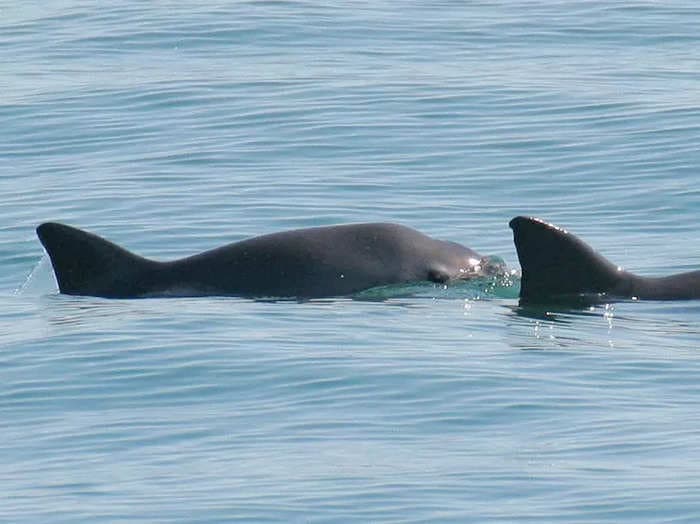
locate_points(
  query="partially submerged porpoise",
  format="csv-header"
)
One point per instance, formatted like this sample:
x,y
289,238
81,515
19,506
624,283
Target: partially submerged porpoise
x,y
303,263
558,265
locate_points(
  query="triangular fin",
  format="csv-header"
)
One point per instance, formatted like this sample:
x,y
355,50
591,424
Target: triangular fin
x,y
556,263
86,264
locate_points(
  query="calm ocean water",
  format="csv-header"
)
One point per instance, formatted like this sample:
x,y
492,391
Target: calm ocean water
x,y
171,128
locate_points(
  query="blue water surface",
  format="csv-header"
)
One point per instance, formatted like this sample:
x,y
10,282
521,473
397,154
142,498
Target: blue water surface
x,y
174,127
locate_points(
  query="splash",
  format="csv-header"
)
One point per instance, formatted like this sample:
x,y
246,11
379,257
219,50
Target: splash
x,y
40,280
505,284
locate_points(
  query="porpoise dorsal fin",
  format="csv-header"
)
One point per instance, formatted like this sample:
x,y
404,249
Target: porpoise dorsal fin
x,y
86,264
556,263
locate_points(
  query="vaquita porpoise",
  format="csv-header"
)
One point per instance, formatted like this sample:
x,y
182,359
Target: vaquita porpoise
x,y
304,263
347,259
557,265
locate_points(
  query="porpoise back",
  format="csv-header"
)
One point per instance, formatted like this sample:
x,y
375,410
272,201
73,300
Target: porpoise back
x,y
303,263
557,265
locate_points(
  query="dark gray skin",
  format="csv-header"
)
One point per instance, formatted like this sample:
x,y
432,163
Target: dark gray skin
x,y
304,263
556,265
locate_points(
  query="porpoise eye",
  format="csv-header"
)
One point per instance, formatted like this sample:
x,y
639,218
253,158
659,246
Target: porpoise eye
x,y
437,275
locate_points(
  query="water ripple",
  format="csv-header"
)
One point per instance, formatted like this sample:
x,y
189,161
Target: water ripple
x,y
173,128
